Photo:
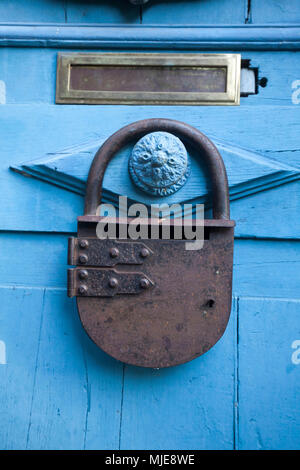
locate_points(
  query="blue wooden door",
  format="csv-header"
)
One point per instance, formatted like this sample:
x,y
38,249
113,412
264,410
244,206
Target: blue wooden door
x,y
57,389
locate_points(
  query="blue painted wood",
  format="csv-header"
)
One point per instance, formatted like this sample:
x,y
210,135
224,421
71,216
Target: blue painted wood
x,y
264,267
25,133
172,12
49,252
248,172
68,404
102,11
279,11
269,414
19,309
85,404
277,208
121,11
66,11
32,11
38,83
155,12
58,391
201,38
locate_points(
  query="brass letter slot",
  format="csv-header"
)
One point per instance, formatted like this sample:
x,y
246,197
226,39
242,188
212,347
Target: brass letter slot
x,y
131,78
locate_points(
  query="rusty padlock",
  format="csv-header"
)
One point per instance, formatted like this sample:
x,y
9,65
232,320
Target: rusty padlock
x,y
151,302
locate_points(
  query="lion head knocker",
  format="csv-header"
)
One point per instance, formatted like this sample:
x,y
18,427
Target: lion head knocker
x,y
159,164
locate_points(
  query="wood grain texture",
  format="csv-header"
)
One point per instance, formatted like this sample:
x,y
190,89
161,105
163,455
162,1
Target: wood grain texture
x,y
68,11
248,173
27,131
155,12
269,415
266,268
53,371
77,389
103,11
270,214
32,11
63,384
275,11
57,389
191,405
193,12
263,267
18,310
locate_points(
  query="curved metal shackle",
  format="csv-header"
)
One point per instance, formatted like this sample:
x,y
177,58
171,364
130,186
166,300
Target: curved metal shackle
x,y
135,131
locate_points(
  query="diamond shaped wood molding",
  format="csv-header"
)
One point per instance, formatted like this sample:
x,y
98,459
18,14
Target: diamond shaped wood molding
x,y
248,172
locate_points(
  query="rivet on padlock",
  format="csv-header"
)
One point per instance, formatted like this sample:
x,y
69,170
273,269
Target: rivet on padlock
x,y
83,259
83,244
83,274
145,252
113,282
114,252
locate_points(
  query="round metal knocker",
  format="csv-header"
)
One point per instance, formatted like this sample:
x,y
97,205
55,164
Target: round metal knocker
x,y
159,164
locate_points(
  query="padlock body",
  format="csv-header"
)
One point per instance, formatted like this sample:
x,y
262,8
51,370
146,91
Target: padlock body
x,y
166,308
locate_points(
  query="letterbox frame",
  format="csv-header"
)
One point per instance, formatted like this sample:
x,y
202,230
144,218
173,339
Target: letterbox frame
x,y
66,95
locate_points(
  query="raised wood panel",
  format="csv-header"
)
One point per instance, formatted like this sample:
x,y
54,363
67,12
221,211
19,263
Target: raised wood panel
x,y
28,132
248,172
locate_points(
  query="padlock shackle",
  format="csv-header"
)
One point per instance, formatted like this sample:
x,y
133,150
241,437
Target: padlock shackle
x,y
135,131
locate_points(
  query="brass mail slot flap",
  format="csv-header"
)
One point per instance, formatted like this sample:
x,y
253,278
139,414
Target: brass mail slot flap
x,y
160,78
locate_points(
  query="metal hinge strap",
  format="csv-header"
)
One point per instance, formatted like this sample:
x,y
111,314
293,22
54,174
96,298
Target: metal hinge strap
x,y
106,253
93,282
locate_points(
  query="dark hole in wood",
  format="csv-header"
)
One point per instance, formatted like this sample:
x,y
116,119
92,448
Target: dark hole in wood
x,y
263,82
